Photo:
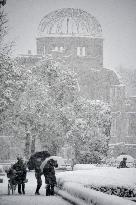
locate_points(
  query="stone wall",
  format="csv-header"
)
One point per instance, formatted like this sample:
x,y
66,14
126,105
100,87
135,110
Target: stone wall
x,y
91,57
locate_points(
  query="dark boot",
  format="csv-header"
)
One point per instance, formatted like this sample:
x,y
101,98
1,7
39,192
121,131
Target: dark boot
x,y
37,193
37,190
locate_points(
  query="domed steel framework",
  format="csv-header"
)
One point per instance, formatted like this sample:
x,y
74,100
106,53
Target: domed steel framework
x,y
70,21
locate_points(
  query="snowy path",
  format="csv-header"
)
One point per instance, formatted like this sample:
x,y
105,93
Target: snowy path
x,y
32,200
30,197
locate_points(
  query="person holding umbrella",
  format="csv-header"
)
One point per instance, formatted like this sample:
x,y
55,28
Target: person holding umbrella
x,y
34,163
48,169
123,163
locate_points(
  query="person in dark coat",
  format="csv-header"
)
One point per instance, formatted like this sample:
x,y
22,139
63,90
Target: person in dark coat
x,y
20,169
123,163
38,175
11,174
50,178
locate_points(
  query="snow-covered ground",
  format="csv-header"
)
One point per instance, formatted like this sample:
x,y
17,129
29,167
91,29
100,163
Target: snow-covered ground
x,y
29,198
32,200
100,176
74,186
76,183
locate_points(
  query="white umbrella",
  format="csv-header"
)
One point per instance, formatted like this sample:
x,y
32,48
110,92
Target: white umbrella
x,y
129,158
59,160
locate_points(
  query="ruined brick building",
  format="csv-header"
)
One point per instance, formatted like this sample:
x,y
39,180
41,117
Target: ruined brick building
x,y
77,36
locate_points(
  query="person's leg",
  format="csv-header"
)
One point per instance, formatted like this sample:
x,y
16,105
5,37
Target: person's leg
x,y
23,188
36,176
19,188
52,189
48,190
39,183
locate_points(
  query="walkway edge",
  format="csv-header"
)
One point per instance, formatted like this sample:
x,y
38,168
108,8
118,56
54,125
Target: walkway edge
x,y
68,197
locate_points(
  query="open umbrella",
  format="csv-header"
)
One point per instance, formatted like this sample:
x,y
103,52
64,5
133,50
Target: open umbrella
x,y
32,161
129,158
60,161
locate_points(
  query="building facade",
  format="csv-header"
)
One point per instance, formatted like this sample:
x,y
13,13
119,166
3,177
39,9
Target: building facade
x,y
76,36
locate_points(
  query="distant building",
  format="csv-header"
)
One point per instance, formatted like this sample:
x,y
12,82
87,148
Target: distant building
x,y
76,36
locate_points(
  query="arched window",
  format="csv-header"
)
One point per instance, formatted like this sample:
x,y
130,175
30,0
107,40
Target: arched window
x,y
81,51
61,49
56,48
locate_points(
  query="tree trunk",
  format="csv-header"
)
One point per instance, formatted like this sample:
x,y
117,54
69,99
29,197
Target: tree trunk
x,y
27,145
33,144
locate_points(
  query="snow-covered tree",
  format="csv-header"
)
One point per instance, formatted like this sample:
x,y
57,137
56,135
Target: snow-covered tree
x,y
11,83
90,131
52,109
48,90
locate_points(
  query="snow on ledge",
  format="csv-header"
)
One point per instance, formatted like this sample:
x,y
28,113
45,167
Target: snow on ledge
x,y
100,176
73,200
84,166
93,197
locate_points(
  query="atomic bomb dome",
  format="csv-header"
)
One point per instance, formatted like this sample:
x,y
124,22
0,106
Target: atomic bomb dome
x,y
70,21
72,32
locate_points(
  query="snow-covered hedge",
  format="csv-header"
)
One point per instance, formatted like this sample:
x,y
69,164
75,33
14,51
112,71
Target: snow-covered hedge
x,y
84,166
109,180
115,190
84,195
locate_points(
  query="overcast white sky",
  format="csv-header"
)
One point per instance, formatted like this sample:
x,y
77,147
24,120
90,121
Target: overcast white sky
x,y
117,18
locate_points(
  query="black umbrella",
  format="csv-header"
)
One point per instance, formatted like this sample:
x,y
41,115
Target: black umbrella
x,y
32,161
